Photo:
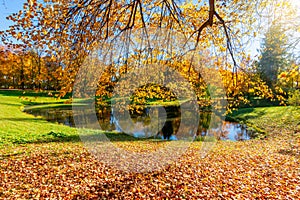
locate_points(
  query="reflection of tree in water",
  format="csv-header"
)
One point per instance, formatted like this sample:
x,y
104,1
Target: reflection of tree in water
x,y
172,115
172,124
150,122
212,125
204,123
242,133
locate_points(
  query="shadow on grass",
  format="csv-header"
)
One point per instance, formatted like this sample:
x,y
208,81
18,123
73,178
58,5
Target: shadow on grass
x,y
10,104
30,93
34,103
23,119
244,114
61,137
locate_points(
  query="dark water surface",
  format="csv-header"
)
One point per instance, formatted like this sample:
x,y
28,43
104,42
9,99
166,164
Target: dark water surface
x,y
222,130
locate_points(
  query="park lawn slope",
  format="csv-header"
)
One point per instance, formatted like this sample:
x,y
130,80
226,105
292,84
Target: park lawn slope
x,y
273,121
17,127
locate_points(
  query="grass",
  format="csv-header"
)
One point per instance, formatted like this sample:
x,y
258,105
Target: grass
x,y
273,121
17,127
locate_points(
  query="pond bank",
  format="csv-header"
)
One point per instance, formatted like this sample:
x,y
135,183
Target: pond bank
x,y
270,121
208,125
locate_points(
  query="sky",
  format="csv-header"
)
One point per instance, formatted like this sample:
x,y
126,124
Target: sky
x,y
8,7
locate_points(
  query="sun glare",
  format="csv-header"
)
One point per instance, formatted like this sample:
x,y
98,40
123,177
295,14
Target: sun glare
x,y
296,3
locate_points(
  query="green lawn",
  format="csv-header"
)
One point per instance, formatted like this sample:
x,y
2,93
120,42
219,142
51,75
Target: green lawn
x,y
18,127
273,121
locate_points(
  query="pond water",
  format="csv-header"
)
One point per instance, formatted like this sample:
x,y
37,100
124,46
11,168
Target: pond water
x,y
222,130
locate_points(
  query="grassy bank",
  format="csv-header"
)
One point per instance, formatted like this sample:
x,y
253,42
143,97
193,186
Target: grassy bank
x,y
17,127
272,121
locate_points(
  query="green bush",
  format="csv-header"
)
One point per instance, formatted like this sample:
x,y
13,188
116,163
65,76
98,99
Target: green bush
x,y
294,98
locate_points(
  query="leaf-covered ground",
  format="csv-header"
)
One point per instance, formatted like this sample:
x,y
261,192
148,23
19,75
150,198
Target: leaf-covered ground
x,y
252,169
62,168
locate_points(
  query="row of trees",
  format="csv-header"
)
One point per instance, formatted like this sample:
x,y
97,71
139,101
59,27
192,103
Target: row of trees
x,y
28,69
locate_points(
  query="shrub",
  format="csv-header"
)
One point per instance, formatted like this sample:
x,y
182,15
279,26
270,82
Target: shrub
x,y
294,98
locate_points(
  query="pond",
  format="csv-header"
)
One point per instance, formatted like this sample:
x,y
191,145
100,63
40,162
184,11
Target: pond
x,y
222,130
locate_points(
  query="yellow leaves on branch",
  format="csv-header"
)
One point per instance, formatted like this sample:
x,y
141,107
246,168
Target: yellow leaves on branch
x,y
70,28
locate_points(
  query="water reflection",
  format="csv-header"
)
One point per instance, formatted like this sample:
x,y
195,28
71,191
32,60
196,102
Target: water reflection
x,y
222,130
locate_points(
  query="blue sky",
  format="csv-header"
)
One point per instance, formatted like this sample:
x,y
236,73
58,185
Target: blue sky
x,y
8,7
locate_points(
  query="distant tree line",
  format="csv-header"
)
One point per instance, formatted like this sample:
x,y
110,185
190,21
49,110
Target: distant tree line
x,y
28,69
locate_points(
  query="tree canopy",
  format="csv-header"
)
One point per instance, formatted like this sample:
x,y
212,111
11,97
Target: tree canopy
x,y
67,31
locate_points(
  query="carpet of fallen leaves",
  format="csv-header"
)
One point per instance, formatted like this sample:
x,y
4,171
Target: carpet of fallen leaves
x,y
266,168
